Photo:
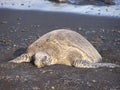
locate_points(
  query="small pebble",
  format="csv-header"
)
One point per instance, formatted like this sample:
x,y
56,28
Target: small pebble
x,y
22,4
17,76
29,6
53,87
4,22
106,10
51,72
117,31
94,81
19,18
1,4
80,28
88,84
13,4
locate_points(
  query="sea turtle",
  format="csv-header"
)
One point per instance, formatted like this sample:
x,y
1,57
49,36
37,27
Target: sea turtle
x,y
62,46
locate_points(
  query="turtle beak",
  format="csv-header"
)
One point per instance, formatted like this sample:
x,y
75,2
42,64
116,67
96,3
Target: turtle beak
x,y
38,64
42,59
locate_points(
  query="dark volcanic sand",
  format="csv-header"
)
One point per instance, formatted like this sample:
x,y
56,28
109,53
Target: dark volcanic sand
x,y
18,29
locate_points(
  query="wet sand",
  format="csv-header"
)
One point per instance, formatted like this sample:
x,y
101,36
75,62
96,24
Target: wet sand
x,y
18,29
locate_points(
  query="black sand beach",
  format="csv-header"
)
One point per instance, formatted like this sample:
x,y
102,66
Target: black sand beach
x,y
18,29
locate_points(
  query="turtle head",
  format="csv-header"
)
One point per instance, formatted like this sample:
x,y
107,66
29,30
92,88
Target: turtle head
x,y
42,59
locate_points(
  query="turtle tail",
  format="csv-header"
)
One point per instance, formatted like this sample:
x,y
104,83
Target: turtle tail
x,y
87,64
22,58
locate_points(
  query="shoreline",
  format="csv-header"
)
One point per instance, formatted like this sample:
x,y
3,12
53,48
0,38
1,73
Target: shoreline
x,y
57,12
105,10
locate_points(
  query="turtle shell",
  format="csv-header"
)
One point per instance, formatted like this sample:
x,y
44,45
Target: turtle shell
x,y
66,37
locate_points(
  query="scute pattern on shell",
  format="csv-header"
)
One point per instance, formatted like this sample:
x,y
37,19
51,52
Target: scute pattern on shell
x,y
62,38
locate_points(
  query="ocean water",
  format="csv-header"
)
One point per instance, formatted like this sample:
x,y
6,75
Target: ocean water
x,y
45,5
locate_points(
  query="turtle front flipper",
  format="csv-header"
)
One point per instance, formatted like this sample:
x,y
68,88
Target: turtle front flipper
x,y
22,58
87,64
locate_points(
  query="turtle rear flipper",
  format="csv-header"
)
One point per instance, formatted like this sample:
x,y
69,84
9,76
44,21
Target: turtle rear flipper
x,y
109,65
22,58
87,64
